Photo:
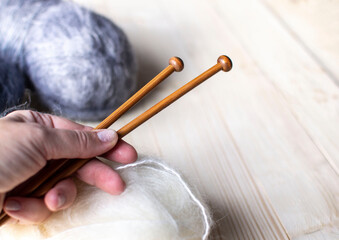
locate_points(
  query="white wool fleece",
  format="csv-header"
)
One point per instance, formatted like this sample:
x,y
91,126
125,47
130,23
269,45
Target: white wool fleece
x,y
157,204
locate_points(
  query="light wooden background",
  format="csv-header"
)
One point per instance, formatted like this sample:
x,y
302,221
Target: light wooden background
x,y
260,142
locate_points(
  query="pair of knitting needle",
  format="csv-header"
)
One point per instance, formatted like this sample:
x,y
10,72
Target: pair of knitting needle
x,y
39,184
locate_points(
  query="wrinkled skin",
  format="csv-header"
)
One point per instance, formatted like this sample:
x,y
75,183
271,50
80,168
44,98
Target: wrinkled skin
x,y
28,140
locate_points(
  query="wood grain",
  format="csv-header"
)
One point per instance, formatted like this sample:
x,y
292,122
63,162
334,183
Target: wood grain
x,y
262,147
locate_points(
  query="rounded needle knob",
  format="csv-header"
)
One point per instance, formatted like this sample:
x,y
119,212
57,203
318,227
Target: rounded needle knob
x,y
177,64
225,63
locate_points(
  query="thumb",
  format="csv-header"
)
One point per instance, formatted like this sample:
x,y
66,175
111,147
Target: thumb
x,y
60,143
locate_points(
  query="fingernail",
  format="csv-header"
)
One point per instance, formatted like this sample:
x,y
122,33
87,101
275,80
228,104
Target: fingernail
x,y
61,200
12,205
107,135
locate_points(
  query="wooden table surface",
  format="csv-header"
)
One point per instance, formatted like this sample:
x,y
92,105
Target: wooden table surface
x,y
261,142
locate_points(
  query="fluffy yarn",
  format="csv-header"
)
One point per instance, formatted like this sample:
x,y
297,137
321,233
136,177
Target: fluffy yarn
x,y
157,204
80,63
12,85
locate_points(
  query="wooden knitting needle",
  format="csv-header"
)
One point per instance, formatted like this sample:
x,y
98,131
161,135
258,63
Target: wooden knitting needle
x,y
223,63
175,64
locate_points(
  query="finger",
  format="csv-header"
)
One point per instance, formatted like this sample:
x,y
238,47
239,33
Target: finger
x,y
47,120
61,196
102,176
122,152
60,143
26,210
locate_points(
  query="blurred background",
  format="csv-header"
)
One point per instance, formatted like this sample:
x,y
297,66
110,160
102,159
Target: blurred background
x,y
261,143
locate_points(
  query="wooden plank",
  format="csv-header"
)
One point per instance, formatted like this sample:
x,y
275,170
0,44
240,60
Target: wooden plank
x,y
283,62
310,92
315,25
250,140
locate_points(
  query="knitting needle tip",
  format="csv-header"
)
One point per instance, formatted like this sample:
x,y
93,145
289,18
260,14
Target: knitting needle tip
x,y
225,63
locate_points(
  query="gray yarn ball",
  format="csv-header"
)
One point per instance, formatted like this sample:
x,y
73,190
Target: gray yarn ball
x,y
12,86
80,63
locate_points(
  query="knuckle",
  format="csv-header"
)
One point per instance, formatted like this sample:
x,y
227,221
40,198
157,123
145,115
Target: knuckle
x,y
18,115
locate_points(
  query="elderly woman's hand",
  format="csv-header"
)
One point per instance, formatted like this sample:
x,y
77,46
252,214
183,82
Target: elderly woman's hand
x,y
29,139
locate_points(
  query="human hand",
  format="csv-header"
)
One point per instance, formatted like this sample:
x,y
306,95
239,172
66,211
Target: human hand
x,y
29,139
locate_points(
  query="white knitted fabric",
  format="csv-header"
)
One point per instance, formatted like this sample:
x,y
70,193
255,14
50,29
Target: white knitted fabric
x,y
157,204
